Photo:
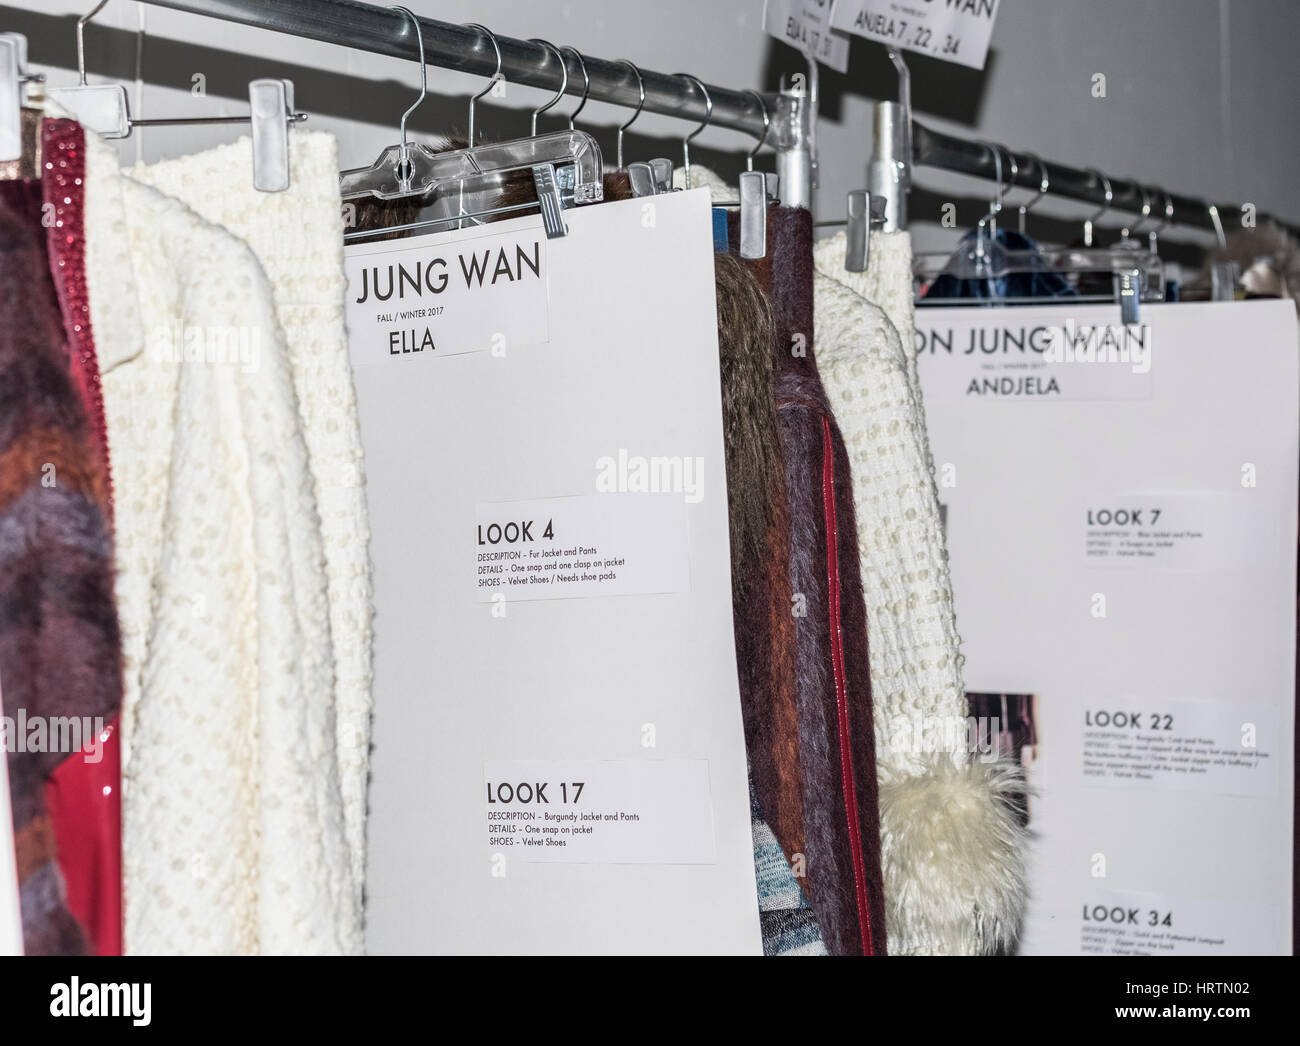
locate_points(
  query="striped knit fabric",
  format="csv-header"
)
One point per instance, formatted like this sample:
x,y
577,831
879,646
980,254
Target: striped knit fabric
x,y
60,654
788,922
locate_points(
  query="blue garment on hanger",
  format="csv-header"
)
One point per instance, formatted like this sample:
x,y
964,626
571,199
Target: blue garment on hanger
x,y
1037,280
720,239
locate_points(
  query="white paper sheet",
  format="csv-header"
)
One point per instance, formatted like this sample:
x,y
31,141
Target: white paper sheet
x,y
643,675
1130,562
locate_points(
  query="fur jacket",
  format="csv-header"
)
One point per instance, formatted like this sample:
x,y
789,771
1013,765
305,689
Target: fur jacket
x,y
802,642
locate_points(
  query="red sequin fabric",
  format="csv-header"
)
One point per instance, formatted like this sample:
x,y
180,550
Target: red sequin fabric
x,y
63,176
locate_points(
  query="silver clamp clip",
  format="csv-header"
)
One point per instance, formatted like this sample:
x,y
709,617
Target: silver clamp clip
x,y
13,74
270,112
548,195
753,214
866,211
663,172
642,179
1129,285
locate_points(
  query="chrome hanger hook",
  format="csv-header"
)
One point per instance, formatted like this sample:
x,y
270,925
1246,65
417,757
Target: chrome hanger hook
x,y
1218,224
1145,213
708,119
1169,211
1110,196
640,104
767,126
1044,184
586,82
1011,178
990,220
564,81
81,40
1167,216
492,80
404,154
905,105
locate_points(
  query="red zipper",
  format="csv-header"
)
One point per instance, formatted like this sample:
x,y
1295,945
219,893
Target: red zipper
x,y
841,690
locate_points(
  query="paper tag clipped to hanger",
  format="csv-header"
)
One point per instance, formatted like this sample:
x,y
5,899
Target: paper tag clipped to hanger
x,y
806,25
954,31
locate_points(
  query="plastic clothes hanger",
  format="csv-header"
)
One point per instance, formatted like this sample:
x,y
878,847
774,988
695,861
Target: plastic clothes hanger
x,y
565,167
984,268
104,109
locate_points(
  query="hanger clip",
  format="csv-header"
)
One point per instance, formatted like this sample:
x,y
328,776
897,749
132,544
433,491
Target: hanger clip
x,y
548,195
866,211
1128,288
642,179
270,114
1223,280
101,108
753,214
663,172
13,74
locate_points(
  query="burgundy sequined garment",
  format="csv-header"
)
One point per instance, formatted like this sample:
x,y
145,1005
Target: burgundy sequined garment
x,y
60,651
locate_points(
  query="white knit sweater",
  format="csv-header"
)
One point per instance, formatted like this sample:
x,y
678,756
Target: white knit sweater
x,y
952,853
297,236
233,827
871,382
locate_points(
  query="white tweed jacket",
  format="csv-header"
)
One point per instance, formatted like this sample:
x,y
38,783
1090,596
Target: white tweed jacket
x,y
297,236
952,853
234,833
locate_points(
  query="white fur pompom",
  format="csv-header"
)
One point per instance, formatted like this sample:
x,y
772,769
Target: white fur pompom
x,y
952,845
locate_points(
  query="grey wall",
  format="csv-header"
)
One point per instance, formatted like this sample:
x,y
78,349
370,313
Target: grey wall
x,y
1202,94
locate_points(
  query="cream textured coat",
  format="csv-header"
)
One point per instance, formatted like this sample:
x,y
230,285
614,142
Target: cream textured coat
x,y
952,852
235,838
297,236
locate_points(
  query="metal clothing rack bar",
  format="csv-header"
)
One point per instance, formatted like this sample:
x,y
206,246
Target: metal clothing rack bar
x,y
935,149
384,31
